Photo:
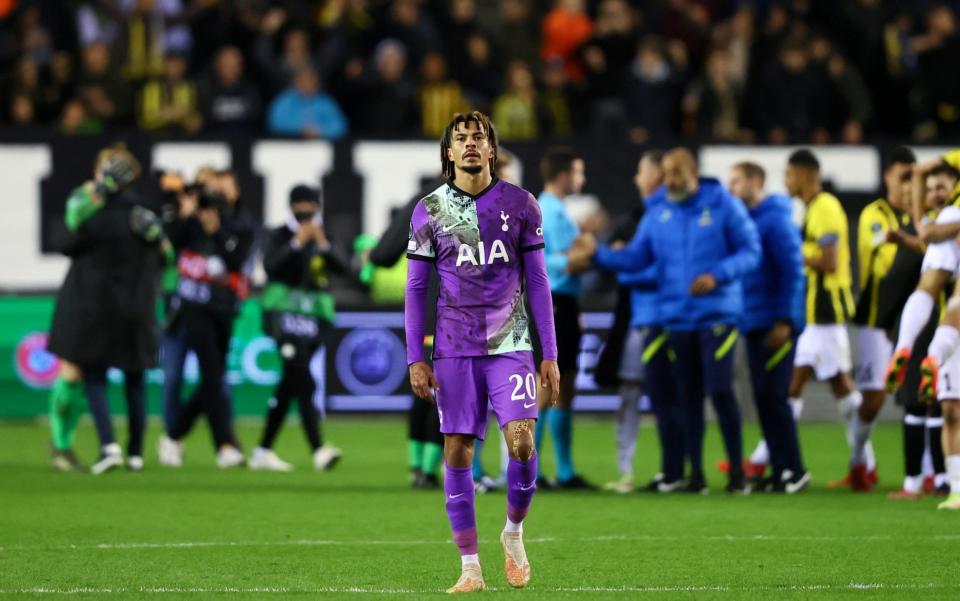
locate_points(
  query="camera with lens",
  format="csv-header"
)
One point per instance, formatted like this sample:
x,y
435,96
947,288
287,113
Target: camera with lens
x,y
210,199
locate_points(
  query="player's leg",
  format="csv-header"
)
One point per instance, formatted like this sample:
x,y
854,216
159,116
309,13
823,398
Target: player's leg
x,y
560,417
804,364
325,456
416,437
511,382
135,390
874,350
208,337
716,356
917,311
95,387
914,435
628,415
766,452
951,450
668,408
462,409
688,373
263,457
66,407
934,449
173,353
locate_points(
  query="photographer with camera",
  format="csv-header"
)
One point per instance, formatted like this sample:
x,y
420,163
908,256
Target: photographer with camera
x,y
298,314
105,309
207,299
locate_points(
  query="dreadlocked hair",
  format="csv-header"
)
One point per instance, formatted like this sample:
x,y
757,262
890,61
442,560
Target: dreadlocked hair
x,y
482,122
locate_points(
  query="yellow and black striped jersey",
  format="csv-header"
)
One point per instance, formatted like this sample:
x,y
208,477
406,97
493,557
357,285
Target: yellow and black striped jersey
x,y
829,295
888,271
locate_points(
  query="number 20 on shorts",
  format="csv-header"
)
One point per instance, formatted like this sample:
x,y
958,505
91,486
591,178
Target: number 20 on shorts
x,y
523,387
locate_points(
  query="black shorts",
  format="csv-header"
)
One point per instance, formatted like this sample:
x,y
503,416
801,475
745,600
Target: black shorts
x,y
566,320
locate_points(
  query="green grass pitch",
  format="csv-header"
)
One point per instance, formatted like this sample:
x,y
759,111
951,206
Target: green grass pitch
x,y
359,532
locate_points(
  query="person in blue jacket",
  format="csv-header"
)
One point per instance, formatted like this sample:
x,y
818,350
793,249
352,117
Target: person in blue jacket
x,y
642,359
702,243
303,110
773,314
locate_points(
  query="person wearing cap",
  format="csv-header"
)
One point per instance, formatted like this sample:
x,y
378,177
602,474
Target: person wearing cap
x,y
298,314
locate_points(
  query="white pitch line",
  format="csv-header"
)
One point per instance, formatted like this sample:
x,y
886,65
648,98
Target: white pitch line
x,y
532,540
852,586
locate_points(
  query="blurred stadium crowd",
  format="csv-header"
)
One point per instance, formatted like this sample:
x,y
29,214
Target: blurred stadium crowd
x,y
714,70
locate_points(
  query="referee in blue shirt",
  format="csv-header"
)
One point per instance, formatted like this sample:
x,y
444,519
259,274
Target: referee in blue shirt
x,y
563,175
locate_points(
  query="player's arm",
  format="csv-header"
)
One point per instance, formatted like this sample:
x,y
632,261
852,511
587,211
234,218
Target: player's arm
x,y
785,246
870,234
421,258
938,232
918,190
636,255
742,235
534,265
644,278
826,260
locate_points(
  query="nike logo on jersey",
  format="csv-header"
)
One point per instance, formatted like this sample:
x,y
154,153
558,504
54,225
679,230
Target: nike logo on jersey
x,y
528,405
527,487
447,228
452,497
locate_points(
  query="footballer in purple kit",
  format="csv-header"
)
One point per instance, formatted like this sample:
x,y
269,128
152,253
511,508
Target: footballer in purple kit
x,y
485,239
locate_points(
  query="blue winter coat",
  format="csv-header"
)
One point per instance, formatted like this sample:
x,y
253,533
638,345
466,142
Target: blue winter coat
x,y
709,232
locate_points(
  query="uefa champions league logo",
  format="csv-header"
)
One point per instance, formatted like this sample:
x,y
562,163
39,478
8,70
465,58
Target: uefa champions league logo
x,y
36,367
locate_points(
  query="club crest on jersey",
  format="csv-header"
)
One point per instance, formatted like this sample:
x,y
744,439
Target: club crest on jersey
x,y
665,215
504,217
705,219
497,251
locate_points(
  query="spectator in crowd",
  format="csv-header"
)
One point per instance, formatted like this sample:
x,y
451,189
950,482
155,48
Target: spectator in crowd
x,y
797,101
304,111
518,32
555,99
97,22
653,90
803,71
76,120
605,57
688,22
481,75
856,106
25,80
389,99
168,104
228,100
152,28
459,22
938,53
408,22
22,110
440,96
295,51
565,28
106,96
516,112
712,103
57,86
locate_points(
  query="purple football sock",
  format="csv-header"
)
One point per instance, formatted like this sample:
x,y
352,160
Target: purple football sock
x,y
521,484
458,486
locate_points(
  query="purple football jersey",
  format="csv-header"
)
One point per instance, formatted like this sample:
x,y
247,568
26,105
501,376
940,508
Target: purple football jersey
x,y
477,244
